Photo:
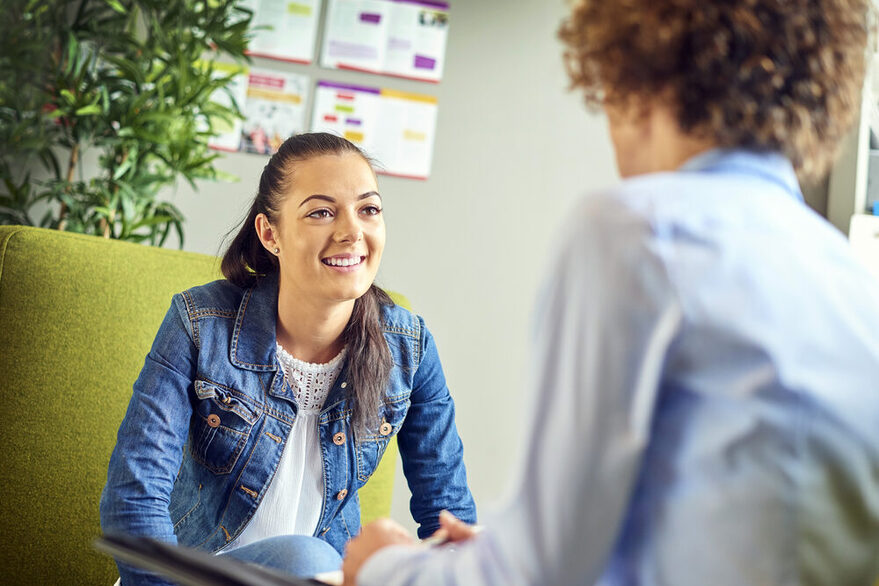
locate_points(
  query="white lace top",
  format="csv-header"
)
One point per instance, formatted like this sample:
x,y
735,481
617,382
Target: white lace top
x,y
293,501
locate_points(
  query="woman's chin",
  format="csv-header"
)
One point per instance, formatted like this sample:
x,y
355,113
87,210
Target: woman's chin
x,y
342,295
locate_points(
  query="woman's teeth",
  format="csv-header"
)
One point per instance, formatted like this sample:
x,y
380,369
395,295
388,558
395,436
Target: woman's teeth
x,y
343,262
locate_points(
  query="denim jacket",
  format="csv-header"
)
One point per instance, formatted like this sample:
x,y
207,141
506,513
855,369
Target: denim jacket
x,y
211,412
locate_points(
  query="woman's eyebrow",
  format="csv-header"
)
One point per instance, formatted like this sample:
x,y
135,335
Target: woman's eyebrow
x,y
333,200
317,196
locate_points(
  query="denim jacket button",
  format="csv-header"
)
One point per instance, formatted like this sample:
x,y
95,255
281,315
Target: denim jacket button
x,y
385,428
213,420
339,439
343,385
340,496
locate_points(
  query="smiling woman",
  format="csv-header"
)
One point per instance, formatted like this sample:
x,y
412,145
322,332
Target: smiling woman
x,y
312,228
269,397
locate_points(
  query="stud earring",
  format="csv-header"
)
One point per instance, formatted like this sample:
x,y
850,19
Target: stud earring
x,y
276,250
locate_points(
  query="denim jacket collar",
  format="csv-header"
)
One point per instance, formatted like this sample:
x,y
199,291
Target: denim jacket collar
x,y
253,339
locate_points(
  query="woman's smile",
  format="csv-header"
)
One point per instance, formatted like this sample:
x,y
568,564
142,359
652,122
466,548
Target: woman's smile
x,y
345,263
329,230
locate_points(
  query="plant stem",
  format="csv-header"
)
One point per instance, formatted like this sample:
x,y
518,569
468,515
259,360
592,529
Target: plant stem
x,y
79,13
71,166
108,222
74,158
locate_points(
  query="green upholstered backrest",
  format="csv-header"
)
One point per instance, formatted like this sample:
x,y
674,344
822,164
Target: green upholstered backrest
x,y
77,316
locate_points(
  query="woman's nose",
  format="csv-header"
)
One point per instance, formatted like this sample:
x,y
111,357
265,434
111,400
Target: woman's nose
x,y
348,229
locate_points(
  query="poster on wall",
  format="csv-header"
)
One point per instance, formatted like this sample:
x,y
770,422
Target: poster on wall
x,y
401,38
284,29
272,103
229,132
274,109
395,128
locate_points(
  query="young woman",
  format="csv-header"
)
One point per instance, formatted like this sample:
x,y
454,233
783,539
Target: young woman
x,y
268,398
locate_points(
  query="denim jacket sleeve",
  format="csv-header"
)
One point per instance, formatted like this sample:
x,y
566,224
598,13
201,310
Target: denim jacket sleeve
x,y
430,448
150,441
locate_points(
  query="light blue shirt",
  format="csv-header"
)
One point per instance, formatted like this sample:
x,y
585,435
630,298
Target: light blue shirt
x,y
706,398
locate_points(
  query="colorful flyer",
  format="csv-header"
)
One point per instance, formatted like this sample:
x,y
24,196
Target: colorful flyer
x,y
395,128
274,110
228,133
401,38
284,29
417,39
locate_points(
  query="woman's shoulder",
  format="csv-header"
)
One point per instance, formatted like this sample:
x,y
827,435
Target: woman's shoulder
x,y
217,296
397,320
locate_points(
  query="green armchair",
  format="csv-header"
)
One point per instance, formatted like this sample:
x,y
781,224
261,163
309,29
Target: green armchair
x,y
77,317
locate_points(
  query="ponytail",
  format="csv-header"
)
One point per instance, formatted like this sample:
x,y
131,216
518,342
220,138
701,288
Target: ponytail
x,y
369,358
246,259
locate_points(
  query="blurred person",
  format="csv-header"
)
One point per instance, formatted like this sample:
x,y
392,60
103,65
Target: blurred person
x,y
705,402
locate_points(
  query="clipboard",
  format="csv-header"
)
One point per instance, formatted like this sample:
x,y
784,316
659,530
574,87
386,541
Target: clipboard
x,y
192,567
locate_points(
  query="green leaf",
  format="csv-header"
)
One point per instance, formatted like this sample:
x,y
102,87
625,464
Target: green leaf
x,y
153,221
105,99
68,96
13,216
123,168
126,193
115,5
103,211
128,208
160,117
129,68
72,53
88,110
50,161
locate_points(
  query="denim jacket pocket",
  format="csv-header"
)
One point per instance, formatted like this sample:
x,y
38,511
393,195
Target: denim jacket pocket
x,y
371,447
220,426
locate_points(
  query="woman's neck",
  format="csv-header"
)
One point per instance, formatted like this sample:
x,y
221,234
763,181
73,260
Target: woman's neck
x,y
311,331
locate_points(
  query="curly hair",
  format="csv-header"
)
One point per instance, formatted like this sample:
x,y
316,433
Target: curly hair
x,y
767,75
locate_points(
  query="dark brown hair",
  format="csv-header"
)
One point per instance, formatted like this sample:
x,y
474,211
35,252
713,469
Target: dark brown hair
x,y
769,75
246,260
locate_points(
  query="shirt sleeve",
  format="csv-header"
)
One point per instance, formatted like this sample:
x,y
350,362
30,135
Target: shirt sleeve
x,y
148,449
606,318
430,448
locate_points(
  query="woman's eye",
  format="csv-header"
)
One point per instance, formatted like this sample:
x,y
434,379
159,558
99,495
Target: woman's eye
x,y
319,214
371,210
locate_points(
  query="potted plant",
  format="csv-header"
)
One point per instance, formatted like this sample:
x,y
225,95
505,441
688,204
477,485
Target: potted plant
x,y
126,83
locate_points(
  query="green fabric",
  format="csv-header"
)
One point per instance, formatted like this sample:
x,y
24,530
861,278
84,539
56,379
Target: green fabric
x,y
77,317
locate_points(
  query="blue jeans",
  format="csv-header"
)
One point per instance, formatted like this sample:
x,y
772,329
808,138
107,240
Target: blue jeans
x,y
299,555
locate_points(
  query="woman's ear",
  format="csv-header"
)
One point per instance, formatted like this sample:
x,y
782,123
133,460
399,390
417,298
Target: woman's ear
x,y
266,233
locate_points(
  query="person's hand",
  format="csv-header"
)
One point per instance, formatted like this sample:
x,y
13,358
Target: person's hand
x,y
452,529
374,536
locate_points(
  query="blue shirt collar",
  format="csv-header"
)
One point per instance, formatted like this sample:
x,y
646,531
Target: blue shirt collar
x,y
769,165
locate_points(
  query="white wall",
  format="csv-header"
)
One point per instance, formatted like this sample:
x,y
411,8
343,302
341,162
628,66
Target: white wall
x,y
468,246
